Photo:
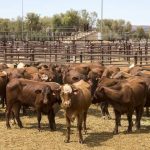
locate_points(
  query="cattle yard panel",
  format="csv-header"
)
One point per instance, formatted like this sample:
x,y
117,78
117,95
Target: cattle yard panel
x,y
75,51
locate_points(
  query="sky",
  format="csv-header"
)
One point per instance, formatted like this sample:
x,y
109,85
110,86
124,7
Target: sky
x,y
135,11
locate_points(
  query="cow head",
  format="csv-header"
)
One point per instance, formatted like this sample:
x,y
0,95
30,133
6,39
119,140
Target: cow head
x,y
66,94
98,95
43,95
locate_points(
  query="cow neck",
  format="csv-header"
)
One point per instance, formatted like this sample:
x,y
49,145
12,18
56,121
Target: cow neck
x,y
113,95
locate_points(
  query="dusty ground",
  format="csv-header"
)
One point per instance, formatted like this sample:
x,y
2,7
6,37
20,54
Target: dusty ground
x,y
99,134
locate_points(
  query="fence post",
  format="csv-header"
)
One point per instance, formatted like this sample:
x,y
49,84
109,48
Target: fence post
x,y
135,58
81,59
91,51
32,55
74,50
140,57
68,53
5,58
146,52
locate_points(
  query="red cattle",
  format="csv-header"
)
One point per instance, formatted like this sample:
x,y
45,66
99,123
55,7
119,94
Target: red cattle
x,y
76,99
31,93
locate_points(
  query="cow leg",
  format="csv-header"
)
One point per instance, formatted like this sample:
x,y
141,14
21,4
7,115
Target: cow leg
x,y
51,119
8,112
117,121
106,111
102,106
68,123
129,116
24,112
16,111
13,118
84,122
139,112
3,101
79,125
39,116
147,111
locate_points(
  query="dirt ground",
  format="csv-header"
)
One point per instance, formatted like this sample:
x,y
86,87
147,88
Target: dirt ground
x,y
99,136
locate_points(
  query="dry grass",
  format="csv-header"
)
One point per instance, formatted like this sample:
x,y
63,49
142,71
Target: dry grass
x,y
99,134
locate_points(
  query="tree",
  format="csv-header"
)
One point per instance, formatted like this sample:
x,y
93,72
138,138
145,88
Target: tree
x,y
56,21
33,22
70,19
114,28
140,33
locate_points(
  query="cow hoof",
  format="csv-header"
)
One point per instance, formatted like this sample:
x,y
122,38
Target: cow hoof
x,y
39,130
66,141
81,141
108,117
128,131
103,117
85,131
52,130
115,132
8,127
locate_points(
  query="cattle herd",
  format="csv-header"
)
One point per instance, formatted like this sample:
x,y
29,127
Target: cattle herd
x,y
74,87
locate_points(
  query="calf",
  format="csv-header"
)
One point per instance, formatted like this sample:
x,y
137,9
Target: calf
x,y
76,99
29,93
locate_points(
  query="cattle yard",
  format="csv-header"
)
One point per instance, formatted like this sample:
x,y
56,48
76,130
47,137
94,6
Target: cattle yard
x,y
99,130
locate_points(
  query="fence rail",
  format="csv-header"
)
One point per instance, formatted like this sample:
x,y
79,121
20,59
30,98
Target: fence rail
x,y
75,51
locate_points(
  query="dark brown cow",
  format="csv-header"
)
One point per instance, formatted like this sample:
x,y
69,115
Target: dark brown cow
x,y
128,97
31,93
72,76
3,83
110,71
76,99
107,82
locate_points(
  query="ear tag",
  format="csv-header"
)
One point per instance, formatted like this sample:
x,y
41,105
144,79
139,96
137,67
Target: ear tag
x,y
75,93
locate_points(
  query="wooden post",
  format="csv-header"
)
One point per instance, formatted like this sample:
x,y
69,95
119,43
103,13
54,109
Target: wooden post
x,y
135,58
5,58
91,52
32,55
74,50
146,52
81,57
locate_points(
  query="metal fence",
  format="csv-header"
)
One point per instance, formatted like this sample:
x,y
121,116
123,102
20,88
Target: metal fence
x,y
75,51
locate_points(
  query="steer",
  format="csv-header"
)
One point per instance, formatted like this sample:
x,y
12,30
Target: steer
x,y
29,93
125,98
76,99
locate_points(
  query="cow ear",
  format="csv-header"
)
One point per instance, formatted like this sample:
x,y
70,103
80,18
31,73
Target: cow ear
x,y
23,84
102,90
53,94
38,91
75,91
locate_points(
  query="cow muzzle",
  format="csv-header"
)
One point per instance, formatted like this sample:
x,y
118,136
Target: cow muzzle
x,y
45,101
67,104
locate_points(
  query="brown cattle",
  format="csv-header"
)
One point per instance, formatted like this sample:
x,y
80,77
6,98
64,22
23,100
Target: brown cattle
x,y
107,82
93,77
3,83
76,99
110,71
29,93
125,98
72,76
3,66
